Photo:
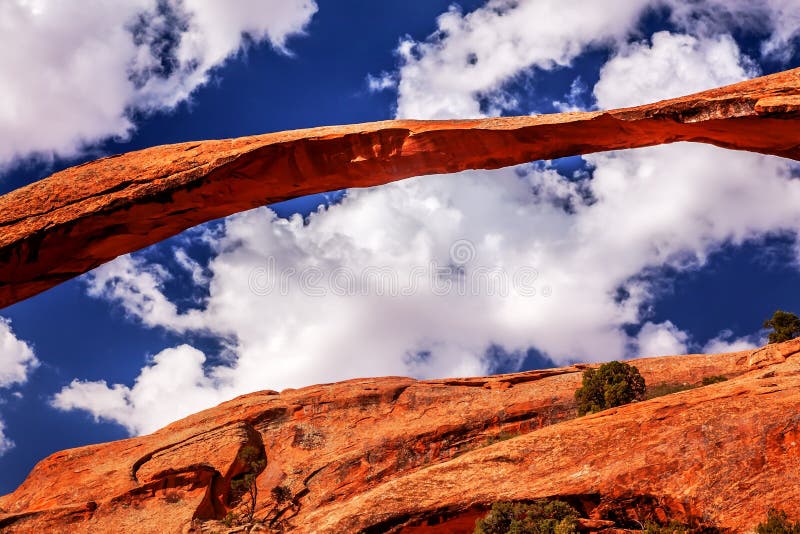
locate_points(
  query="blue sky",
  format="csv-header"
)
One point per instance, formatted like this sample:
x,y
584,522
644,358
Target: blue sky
x,y
663,251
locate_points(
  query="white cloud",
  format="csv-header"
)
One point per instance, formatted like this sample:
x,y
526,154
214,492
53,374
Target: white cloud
x,y
573,100
138,286
779,18
191,266
473,54
17,361
649,208
5,443
215,30
669,66
70,72
172,386
727,342
662,339
382,82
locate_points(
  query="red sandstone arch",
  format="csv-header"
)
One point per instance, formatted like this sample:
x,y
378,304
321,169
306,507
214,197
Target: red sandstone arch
x,y
79,218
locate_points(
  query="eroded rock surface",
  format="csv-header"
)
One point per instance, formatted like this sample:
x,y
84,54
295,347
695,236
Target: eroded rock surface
x,y
79,218
395,454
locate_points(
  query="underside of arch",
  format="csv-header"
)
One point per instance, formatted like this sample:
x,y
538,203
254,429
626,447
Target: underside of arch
x,y
79,218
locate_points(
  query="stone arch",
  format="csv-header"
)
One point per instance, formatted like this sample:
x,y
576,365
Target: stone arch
x,y
84,216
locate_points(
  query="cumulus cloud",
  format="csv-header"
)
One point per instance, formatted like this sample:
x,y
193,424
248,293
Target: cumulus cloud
x,y
574,100
5,443
171,386
663,339
138,286
191,266
780,19
727,342
381,82
72,72
17,361
587,245
669,65
473,54
460,71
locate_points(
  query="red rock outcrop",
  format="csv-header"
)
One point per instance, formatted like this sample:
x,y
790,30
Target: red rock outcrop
x,y
399,455
79,218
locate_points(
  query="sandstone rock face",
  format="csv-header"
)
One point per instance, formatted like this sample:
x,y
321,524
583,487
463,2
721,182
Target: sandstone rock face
x,y
77,219
399,455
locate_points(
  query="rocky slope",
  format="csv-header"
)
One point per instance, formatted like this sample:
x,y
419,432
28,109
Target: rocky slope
x,y
79,218
399,455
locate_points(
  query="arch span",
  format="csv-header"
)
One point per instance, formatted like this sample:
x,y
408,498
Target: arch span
x,y
84,216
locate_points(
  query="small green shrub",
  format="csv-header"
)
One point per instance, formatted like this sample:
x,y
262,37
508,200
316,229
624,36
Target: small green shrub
x,y
282,501
611,384
659,390
281,494
708,380
539,517
785,326
778,523
172,497
230,519
244,487
503,435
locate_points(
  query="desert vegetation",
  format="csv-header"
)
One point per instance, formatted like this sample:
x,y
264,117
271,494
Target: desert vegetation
x,y
778,523
784,325
504,435
539,517
547,516
716,379
612,384
244,488
667,388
